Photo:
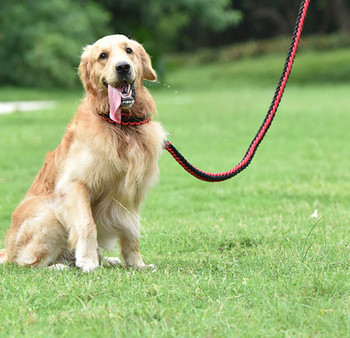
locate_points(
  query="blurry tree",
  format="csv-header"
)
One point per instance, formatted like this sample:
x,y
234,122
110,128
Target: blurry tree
x,y
280,13
335,13
266,18
270,18
173,25
41,40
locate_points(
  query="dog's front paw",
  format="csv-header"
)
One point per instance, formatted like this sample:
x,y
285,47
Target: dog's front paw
x,y
148,267
111,261
151,267
59,266
87,265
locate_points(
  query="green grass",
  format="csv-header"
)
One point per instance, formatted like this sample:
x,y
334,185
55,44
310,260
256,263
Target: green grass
x,y
240,258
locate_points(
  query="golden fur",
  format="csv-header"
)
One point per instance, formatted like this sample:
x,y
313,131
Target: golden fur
x,y
89,190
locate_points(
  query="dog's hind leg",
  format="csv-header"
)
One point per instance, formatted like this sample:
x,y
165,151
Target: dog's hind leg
x,y
3,256
36,236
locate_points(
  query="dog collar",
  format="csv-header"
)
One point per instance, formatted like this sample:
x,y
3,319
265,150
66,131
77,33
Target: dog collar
x,y
127,120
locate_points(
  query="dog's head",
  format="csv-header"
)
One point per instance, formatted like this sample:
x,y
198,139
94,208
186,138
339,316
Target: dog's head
x,y
115,67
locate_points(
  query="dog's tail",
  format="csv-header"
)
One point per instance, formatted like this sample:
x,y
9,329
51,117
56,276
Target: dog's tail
x,y
3,256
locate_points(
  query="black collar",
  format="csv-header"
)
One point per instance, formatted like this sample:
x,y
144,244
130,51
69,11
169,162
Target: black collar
x,y
127,120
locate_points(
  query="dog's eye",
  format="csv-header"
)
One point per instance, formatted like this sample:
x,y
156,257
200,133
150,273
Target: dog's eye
x,y
103,56
128,50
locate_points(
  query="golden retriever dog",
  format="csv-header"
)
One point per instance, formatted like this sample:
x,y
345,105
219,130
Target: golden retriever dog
x,y
88,192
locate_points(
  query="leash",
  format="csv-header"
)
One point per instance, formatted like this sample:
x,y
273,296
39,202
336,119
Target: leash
x,y
218,177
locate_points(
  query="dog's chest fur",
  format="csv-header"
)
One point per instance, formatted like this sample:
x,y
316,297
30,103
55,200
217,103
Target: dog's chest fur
x,y
113,162
117,165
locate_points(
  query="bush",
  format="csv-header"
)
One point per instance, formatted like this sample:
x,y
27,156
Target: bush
x,y
41,40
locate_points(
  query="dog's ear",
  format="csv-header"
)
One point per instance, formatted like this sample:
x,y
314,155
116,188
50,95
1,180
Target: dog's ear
x,y
85,66
148,72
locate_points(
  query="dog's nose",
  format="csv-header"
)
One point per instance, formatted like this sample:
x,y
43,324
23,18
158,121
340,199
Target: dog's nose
x,y
122,68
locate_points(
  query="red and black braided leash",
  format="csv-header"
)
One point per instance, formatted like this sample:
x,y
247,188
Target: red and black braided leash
x,y
217,177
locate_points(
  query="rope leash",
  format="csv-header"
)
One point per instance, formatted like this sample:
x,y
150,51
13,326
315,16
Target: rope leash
x,y
218,177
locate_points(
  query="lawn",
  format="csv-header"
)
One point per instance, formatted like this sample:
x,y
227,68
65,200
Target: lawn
x,y
240,258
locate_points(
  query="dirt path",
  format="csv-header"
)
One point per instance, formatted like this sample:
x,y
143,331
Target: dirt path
x,y
15,106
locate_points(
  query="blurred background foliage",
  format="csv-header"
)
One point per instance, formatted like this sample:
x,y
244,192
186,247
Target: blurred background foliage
x,y
41,40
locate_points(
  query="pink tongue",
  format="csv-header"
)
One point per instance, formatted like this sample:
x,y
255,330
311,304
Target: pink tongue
x,y
115,110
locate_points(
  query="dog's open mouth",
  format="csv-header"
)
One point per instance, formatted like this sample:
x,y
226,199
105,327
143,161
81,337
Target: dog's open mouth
x,y
126,93
122,96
